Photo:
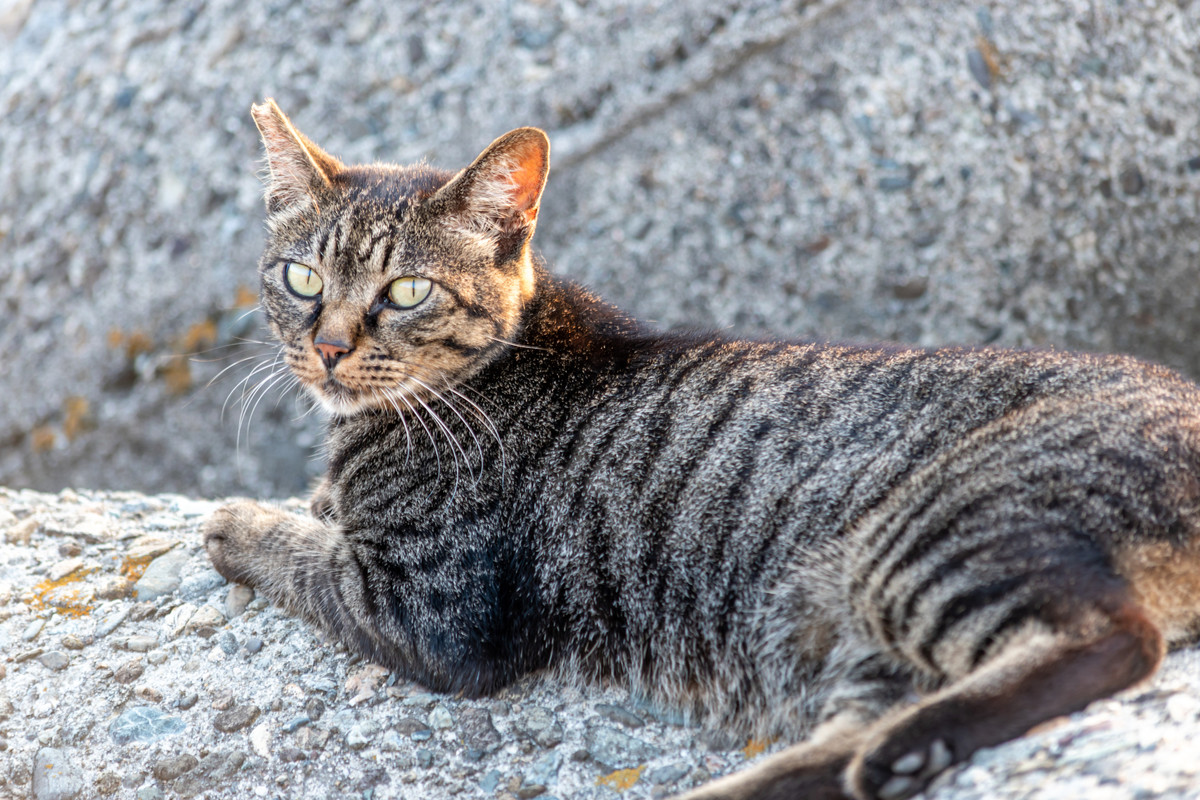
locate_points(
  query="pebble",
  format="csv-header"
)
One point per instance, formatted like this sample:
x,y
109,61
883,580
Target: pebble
x,y
236,718
223,700
22,532
143,724
33,629
314,708
113,587
141,644
186,701
108,783
55,775
161,576
168,769
260,739
236,600
200,584
253,644
129,672
64,568
176,621
410,725
478,731
55,660
150,793
360,735
205,622
28,655
112,620
544,771
147,548
156,658
542,726
294,723
227,642
620,715
440,718
614,749
72,642
667,775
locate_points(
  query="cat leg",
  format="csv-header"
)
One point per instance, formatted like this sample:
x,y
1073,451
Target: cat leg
x,y
296,562
857,696
1038,676
320,502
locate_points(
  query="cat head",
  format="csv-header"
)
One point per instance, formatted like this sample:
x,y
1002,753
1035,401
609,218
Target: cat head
x,y
385,284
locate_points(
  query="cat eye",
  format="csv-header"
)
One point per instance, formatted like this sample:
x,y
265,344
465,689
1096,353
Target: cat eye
x,y
409,291
302,280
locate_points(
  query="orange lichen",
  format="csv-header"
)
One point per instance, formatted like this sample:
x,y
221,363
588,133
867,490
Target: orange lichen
x,y
75,416
622,779
42,438
132,568
71,604
198,337
246,297
756,747
177,374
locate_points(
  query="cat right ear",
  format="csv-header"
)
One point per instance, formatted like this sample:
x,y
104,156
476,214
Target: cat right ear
x,y
298,169
496,199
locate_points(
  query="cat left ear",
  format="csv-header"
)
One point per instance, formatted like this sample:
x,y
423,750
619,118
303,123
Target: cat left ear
x,y
497,197
299,170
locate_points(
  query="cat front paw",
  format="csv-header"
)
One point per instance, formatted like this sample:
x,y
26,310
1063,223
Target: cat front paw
x,y
232,538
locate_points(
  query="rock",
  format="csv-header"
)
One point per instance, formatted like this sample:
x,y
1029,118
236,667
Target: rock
x,y
253,644
129,672
168,769
540,725
143,724
55,775
363,683
260,739
156,658
22,532
108,783
200,584
359,735
113,587
410,725
148,548
314,708
32,630
186,701
667,775
150,793
55,660
205,622
112,620
140,644
236,718
478,731
236,600
440,718
543,772
223,700
72,642
616,750
176,622
161,576
227,642
620,715
64,568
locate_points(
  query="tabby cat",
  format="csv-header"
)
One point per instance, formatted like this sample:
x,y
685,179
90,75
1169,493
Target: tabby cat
x,y
893,555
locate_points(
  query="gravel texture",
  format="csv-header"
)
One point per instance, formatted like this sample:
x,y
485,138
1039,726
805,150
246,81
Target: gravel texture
x,y
969,172
206,692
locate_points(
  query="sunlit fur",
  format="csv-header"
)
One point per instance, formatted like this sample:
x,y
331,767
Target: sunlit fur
x,y
892,556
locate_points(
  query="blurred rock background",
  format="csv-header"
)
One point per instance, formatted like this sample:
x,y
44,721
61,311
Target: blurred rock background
x,y
943,172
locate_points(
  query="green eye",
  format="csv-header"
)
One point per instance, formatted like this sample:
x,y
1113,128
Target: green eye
x,y
407,292
302,280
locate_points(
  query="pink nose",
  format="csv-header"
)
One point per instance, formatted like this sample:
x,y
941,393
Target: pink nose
x,y
331,352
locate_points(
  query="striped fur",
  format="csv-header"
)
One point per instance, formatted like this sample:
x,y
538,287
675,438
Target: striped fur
x,y
778,538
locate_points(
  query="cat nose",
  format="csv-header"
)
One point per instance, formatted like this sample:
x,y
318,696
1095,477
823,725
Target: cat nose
x,y
331,351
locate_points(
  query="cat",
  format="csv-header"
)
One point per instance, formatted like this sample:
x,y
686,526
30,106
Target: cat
x,y
892,556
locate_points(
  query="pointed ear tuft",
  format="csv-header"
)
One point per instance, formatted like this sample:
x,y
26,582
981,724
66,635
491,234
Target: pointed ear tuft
x,y
496,198
298,169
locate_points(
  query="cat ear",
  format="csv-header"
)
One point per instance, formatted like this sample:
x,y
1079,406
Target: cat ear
x,y
496,198
298,168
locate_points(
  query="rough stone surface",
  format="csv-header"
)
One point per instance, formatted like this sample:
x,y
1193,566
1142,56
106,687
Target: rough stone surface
x,y
295,729
56,776
947,171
